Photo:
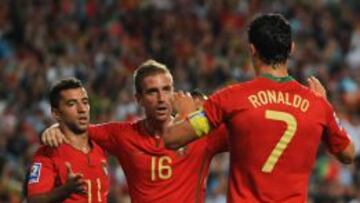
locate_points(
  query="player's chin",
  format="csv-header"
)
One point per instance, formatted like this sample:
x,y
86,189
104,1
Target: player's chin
x,y
163,117
82,127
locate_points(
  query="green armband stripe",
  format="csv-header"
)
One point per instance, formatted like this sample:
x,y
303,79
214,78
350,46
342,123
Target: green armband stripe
x,y
199,122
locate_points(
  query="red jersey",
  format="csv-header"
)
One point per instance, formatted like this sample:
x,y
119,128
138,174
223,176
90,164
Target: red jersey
x,y
274,132
48,171
154,173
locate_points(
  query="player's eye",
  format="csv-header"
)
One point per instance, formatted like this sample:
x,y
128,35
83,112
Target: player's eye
x,y
70,103
85,101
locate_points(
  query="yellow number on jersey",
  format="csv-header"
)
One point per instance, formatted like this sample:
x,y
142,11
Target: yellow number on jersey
x,y
163,164
89,188
285,139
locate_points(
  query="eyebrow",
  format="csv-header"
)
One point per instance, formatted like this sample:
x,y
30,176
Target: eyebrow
x,y
74,100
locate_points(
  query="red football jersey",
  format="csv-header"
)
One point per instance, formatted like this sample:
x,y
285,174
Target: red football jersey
x,y
274,132
154,173
48,171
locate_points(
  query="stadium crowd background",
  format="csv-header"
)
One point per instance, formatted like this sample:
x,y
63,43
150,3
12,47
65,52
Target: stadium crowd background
x,y
203,42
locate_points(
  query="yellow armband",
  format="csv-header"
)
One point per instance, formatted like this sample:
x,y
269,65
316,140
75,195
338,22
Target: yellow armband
x,y
199,122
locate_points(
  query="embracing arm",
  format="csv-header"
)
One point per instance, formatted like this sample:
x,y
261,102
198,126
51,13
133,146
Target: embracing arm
x,y
193,125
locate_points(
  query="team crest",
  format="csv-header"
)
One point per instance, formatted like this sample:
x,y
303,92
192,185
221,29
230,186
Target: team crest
x,y
35,173
182,151
104,167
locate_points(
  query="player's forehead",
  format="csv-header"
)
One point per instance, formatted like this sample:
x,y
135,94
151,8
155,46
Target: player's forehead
x,y
158,80
73,94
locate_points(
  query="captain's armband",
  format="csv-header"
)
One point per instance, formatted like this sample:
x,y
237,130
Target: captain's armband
x,y
199,122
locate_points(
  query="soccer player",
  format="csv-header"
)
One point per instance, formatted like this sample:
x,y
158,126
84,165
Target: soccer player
x,y
154,173
275,124
73,172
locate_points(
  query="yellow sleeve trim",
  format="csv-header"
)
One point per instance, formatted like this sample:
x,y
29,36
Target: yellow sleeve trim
x,y
199,122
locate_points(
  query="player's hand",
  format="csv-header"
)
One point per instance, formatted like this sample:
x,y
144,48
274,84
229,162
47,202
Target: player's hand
x,y
53,136
183,103
75,182
316,86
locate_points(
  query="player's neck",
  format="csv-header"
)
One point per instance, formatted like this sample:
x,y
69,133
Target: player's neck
x,y
278,70
78,141
155,127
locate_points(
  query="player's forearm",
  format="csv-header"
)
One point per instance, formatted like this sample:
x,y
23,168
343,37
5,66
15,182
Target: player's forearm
x,y
178,135
347,156
59,194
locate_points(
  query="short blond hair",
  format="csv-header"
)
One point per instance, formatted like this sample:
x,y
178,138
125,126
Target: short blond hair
x,y
149,67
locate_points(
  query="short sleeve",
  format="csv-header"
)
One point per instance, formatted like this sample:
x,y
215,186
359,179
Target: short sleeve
x,y
42,175
217,141
105,135
215,107
335,136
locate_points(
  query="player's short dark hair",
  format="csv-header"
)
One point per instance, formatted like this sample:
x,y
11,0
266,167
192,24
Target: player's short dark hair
x,y
271,36
196,93
61,85
149,67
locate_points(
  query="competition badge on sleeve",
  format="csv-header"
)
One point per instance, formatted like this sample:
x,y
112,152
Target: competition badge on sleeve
x,y
104,167
35,172
338,122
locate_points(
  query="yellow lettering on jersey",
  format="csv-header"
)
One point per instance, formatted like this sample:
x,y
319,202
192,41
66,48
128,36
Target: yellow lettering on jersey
x,y
272,96
297,101
264,97
254,101
280,98
305,105
287,99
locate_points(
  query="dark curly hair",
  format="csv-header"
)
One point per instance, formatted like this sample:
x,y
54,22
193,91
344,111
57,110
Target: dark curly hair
x,y
271,36
64,84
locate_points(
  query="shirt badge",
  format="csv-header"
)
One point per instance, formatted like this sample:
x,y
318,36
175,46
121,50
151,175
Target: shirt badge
x,y
35,173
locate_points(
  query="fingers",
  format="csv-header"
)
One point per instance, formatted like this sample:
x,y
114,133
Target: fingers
x,y
311,83
69,170
79,184
75,182
316,86
53,137
65,140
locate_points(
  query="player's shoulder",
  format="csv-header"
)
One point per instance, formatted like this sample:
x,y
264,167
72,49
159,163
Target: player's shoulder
x,y
310,94
229,90
114,125
46,151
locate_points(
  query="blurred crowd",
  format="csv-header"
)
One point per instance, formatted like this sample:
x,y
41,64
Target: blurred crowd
x,y
203,42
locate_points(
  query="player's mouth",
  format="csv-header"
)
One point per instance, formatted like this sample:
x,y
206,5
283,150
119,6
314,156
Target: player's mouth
x,y
162,110
83,119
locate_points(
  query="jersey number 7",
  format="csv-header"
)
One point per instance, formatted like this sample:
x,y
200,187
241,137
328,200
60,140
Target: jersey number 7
x,y
285,139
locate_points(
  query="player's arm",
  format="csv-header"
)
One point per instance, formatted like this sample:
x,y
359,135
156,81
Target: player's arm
x,y
52,136
347,156
41,181
59,194
336,139
101,134
193,125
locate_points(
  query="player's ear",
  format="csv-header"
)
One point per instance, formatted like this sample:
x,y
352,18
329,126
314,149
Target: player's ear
x,y
138,98
252,49
55,114
292,48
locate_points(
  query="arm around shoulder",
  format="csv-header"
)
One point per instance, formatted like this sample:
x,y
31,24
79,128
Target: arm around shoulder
x,y
179,134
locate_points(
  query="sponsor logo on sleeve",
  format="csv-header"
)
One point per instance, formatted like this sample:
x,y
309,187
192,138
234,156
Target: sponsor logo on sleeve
x,y
338,122
35,173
